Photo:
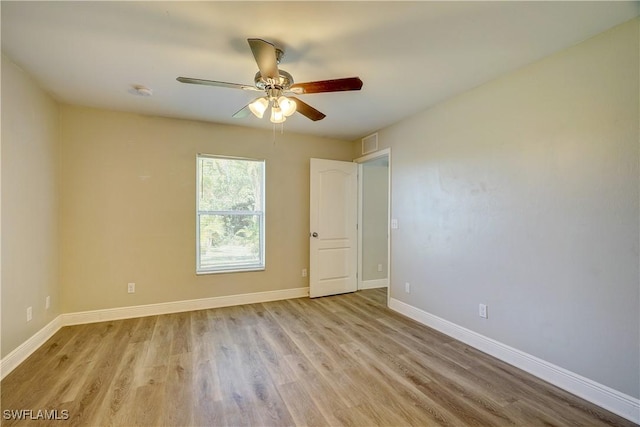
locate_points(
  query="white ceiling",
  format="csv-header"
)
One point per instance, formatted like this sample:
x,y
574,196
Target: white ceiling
x,y
410,55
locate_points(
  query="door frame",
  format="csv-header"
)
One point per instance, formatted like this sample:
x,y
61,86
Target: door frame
x,y
360,161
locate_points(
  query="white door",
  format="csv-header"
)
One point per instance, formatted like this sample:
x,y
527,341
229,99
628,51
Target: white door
x,y
333,237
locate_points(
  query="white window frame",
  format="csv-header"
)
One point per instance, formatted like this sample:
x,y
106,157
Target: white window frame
x,y
260,266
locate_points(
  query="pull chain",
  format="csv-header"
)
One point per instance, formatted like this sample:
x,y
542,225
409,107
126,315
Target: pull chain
x,y
274,131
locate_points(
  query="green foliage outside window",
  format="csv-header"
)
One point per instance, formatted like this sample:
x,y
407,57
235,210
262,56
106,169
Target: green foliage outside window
x,y
230,213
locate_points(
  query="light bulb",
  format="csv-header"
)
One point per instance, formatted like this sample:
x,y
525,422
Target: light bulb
x,y
258,106
276,115
288,105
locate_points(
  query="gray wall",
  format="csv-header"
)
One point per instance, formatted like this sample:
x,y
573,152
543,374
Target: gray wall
x,y
375,194
523,194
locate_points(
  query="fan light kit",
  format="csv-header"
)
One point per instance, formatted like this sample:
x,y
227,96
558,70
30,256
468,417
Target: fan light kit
x,y
281,106
278,86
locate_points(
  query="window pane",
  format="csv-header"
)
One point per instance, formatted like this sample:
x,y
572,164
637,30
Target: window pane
x,y
230,205
230,185
230,241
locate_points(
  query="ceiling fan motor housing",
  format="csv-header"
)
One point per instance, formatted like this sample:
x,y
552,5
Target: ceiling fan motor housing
x,y
284,81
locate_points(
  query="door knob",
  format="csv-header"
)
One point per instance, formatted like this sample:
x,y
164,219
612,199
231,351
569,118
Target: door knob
x,y
314,234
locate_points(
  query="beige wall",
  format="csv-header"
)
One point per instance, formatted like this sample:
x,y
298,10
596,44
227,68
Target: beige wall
x,y
128,207
523,194
30,188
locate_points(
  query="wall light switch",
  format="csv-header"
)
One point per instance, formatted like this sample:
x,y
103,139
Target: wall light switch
x,y
394,223
131,288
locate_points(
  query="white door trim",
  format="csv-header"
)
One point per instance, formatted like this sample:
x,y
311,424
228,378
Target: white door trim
x,y
360,160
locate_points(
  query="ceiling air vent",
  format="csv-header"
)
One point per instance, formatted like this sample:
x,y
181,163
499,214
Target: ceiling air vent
x,y
370,143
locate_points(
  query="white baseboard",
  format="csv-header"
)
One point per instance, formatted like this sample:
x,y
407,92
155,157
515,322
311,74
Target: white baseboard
x,y
24,350
17,356
612,400
180,306
373,284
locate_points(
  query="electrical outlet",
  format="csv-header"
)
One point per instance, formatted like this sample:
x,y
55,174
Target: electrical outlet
x,y
29,314
379,267
304,272
131,288
482,311
407,287
47,302
394,223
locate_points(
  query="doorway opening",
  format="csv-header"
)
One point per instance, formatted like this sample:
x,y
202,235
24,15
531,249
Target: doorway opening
x,y
374,189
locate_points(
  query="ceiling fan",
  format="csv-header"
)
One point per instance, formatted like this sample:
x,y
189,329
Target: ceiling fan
x,y
278,86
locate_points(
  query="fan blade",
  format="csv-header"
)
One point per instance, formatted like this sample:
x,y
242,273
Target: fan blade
x,y
307,110
215,83
266,58
337,85
242,113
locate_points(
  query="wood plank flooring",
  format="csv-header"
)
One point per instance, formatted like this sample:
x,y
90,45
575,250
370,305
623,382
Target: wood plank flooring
x,y
342,360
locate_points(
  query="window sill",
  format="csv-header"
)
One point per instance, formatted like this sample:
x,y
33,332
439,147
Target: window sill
x,y
235,270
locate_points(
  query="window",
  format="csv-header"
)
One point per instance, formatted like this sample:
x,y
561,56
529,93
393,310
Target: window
x,y
230,210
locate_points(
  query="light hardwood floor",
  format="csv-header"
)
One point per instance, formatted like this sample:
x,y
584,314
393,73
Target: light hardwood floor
x,y
342,360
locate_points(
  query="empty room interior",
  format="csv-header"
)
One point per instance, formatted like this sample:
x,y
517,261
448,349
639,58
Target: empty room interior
x,y
320,213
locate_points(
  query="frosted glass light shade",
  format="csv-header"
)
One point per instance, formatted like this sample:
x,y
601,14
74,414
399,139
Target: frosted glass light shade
x,y
287,105
276,115
258,107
